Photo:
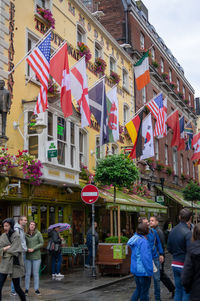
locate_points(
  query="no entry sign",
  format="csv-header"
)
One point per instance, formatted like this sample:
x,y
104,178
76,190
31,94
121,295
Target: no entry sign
x,y
89,194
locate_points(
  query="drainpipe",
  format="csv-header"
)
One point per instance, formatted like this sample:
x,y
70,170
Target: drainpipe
x,y
124,2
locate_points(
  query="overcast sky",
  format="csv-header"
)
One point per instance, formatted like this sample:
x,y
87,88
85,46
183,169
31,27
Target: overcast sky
x,y
178,23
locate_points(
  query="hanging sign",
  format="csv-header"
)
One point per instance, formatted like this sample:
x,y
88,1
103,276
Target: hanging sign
x,y
52,150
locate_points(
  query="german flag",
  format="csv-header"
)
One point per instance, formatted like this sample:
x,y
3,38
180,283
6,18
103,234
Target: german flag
x,y
134,128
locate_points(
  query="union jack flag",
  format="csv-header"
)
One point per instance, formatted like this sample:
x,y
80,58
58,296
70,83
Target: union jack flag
x,y
39,60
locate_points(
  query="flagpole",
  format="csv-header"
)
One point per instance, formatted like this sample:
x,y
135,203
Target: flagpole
x,y
98,81
30,51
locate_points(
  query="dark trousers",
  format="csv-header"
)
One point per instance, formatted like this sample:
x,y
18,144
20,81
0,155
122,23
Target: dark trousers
x,y
142,288
166,280
56,262
16,282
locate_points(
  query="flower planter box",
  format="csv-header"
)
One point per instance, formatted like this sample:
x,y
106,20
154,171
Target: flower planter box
x,y
114,258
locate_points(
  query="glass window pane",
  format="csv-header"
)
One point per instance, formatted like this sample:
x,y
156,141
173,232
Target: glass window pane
x,y
43,219
33,145
72,149
61,153
50,124
72,133
51,215
61,129
60,214
81,142
97,148
31,123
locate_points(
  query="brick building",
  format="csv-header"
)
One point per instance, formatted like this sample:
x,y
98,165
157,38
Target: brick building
x,y
127,21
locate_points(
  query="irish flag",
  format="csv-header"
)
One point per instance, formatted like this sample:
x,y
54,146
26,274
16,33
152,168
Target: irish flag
x,y
141,69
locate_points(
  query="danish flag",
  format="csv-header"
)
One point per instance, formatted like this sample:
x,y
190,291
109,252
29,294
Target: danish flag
x,y
79,88
59,70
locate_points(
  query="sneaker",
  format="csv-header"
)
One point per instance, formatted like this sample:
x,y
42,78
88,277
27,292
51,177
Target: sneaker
x,y
59,275
13,294
37,293
53,276
87,266
26,292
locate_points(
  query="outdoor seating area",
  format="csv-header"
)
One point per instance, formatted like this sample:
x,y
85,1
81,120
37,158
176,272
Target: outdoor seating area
x,y
74,256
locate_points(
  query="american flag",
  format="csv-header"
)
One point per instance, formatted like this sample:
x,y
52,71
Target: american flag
x,y
161,127
39,60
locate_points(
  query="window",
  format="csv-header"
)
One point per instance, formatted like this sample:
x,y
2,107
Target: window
x,y
112,64
125,78
178,84
154,93
183,92
153,53
82,147
51,215
166,154
114,149
30,44
170,75
189,99
61,140
144,95
156,149
175,167
97,50
97,148
81,34
43,219
72,143
126,113
43,3
181,163
141,40
162,65
188,167
60,214
32,135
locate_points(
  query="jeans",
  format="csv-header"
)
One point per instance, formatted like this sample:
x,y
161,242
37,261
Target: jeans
x,y
32,265
17,287
180,294
89,257
156,279
142,289
12,285
56,261
166,280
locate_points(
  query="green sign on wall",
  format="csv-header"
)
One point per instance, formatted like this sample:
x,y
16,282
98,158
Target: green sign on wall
x,y
52,151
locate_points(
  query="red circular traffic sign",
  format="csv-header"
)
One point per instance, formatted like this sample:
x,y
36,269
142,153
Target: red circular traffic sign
x,y
89,194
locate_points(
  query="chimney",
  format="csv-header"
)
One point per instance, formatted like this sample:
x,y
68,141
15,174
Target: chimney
x,y
142,8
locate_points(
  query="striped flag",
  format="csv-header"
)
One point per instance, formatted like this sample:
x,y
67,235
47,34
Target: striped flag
x,y
141,70
196,147
39,60
161,127
182,135
189,134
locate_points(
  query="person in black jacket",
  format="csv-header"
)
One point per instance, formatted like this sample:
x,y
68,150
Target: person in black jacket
x,y
191,271
178,244
163,276
56,256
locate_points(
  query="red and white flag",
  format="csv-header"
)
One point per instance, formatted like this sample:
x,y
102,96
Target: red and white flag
x,y
79,88
38,60
161,127
59,70
196,147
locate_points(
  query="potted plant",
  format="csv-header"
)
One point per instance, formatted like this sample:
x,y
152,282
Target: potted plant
x,y
169,170
6,160
180,95
186,101
100,66
159,166
155,64
47,15
183,176
84,50
173,85
114,77
165,75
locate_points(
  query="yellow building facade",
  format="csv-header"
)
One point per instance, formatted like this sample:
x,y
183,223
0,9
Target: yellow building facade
x,y
57,199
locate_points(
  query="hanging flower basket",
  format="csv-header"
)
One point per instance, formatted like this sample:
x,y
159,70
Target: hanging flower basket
x,y
84,50
115,77
47,15
100,65
169,170
6,160
155,64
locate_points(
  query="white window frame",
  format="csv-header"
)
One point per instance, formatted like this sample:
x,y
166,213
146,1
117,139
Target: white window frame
x,y
144,96
183,92
181,163
188,166
81,30
112,60
142,40
178,84
126,112
64,142
161,65
34,39
98,49
47,4
83,153
125,79
26,123
156,149
170,75
175,166
153,53
166,154
189,99
115,147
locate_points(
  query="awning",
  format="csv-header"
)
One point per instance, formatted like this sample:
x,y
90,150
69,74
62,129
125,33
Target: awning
x,y
177,196
131,203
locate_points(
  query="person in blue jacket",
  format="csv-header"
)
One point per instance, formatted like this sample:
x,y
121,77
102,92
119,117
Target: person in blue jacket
x,y
141,262
157,254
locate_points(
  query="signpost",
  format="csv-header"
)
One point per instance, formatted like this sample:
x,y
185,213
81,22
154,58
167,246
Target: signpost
x,y
89,195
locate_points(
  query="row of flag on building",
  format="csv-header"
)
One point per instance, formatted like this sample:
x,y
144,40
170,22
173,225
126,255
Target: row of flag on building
x,y
140,129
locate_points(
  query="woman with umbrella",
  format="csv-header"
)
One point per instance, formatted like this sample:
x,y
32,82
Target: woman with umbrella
x,y
55,248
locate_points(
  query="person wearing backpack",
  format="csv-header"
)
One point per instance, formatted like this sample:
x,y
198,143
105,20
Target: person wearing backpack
x,y
89,244
157,254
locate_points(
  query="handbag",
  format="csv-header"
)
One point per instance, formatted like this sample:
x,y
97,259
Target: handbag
x,y
50,246
154,267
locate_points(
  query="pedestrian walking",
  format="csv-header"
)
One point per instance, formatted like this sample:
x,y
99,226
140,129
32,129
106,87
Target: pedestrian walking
x,y
11,253
157,254
154,223
191,272
89,244
55,252
20,228
34,242
178,242
141,262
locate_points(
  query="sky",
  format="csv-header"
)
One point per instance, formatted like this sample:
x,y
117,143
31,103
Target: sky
x,y
178,23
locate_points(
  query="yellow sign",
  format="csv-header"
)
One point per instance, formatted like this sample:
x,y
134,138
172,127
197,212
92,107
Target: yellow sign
x,y
69,176
54,172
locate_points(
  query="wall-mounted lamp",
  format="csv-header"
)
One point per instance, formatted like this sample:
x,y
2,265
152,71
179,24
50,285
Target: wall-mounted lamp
x,y
38,126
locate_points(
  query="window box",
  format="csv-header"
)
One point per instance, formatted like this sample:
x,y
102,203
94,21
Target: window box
x,y
165,76
155,64
47,15
100,66
84,50
114,77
